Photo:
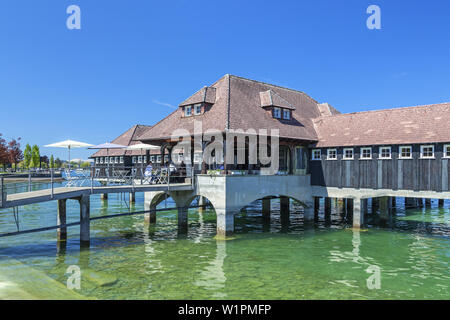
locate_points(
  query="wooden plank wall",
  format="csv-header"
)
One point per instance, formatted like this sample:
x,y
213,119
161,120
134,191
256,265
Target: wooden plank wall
x,y
405,174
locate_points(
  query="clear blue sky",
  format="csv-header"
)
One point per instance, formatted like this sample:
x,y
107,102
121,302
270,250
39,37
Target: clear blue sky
x,y
132,60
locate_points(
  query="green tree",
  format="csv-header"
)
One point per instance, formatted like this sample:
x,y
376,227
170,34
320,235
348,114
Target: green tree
x,y
27,156
85,164
35,156
58,163
52,162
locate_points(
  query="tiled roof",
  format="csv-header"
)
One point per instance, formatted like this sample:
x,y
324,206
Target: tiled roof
x,y
205,94
422,124
126,139
270,99
237,105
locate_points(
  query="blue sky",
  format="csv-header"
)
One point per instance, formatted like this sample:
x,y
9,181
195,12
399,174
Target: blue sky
x,y
132,61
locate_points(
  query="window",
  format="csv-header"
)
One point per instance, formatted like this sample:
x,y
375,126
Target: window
x,y
277,113
158,159
187,111
144,159
152,158
405,152
140,159
133,159
286,114
366,153
121,159
385,153
447,151
97,160
316,154
101,160
197,157
116,160
427,152
331,154
197,109
111,160
348,154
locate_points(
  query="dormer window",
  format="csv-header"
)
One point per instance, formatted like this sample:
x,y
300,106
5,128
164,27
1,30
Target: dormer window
x,y
188,111
197,109
277,113
286,114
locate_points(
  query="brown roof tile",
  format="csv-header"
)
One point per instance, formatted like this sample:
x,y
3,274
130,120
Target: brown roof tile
x,y
238,106
126,139
422,124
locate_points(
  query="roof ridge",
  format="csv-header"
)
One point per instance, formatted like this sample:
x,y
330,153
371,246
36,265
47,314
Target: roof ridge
x,y
383,110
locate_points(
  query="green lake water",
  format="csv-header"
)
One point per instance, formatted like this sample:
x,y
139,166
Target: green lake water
x,y
129,260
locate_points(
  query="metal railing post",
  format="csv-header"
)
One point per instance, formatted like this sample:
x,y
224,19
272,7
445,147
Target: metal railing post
x,y
2,190
51,182
168,178
29,181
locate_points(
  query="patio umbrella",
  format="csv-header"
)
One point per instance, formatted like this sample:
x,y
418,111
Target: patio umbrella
x,y
69,144
142,146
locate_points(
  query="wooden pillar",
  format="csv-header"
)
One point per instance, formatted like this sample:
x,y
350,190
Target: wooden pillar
x,y
410,203
358,213
419,202
284,210
349,206
375,204
327,210
316,208
441,203
428,203
266,209
132,197
182,220
385,207
61,219
104,196
394,202
85,234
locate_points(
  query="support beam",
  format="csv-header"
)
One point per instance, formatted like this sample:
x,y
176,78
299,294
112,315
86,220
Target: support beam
x,y
410,203
419,202
316,208
349,206
182,220
201,203
104,196
266,209
358,213
394,202
85,233
284,211
428,203
375,205
61,219
132,197
385,207
327,210
225,222
441,203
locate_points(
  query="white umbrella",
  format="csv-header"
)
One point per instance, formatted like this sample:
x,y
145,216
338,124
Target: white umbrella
x,y
142,146
69,144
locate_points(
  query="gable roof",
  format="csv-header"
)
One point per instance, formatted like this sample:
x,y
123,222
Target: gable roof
x,y
125,139
410,125
237,105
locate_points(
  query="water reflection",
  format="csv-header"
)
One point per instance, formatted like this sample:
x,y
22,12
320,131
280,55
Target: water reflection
x,y
212,277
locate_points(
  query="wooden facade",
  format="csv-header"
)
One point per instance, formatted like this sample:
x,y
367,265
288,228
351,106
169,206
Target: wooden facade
x,y
416,174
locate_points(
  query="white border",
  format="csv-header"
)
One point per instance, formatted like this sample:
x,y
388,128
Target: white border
x,y
400,152
421,151
312,154
353,154
328,154
384,158
443,154
361,153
